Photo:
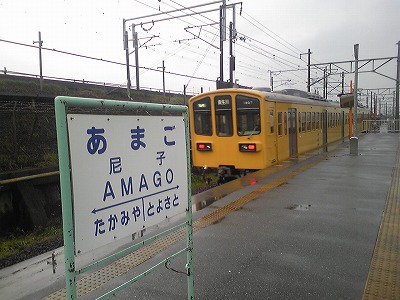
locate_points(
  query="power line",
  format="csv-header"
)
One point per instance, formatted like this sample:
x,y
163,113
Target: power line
x,y
104,60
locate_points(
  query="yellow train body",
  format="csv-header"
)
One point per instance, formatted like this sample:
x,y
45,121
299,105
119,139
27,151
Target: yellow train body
x,y
249,129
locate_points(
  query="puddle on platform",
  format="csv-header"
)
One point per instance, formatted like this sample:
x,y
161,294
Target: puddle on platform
x,y
298,207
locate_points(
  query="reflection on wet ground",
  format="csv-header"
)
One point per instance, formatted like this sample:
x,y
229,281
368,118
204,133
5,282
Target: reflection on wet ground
x,y
208,197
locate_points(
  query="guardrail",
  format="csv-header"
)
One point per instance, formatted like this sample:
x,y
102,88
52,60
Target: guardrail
x,y
376,126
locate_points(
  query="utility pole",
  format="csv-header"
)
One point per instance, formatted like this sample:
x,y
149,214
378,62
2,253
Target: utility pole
x,y
136,45
231,56
40,42
354,138
163,76
128,72
397,86
394,104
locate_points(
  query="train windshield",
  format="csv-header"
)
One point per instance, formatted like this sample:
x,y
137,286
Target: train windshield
x,y
202,116
223,115
247,115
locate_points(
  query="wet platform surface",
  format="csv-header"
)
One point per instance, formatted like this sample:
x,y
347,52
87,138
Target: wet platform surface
x,y
305,232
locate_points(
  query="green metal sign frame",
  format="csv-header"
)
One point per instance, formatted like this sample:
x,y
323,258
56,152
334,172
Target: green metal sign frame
x,y
61,105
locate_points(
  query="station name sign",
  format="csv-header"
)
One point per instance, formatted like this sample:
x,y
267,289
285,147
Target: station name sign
x,y
128,173
346,100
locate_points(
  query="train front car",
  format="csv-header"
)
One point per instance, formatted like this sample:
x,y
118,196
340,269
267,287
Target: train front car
x,y
227,131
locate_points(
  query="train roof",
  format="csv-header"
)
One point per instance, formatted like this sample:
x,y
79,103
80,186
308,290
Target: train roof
x,y
274,96
278,97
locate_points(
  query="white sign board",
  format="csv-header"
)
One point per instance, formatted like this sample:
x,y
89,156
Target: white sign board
x,y
128,173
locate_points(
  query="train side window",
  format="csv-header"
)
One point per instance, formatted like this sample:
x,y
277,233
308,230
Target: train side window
x,y
313,121
285,121
271,120
247,115
299,121
303,122
223,115
202,116
317,124
279,123
308,121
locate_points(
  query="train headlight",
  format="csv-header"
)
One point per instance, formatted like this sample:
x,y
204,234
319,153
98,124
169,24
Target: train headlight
x,y
204,146
247,147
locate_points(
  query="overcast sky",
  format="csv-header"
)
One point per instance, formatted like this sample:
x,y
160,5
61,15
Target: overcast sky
x,y
94,28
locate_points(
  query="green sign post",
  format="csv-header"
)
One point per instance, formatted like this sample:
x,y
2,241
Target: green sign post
x,y
62,106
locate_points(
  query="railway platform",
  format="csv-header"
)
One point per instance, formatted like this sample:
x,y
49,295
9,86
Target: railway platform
x,y
322,226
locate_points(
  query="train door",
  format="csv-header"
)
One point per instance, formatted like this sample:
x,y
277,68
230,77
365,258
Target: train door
x,y
342,124
325,129
292,132
272,145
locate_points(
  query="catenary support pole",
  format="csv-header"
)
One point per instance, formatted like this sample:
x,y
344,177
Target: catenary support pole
x,y
308,70
272,82
136,45
372,98
128,72
324,83
221,44
231,57
342,82
184,94
354,138
397,85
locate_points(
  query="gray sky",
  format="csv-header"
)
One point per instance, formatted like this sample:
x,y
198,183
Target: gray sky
x,y
328,28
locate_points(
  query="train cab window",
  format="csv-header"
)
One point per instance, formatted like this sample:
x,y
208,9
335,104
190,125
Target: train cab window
x,y
308,121
299,119
271,120
202,116
247,115
285,122
279,123
223,115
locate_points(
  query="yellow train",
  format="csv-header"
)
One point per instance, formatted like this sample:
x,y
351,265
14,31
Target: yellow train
x,y
237,130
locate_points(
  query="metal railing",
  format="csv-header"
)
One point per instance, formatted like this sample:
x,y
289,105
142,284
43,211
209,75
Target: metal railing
x,y
381,126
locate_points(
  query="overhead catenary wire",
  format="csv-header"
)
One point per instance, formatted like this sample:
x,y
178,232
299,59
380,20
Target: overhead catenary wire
x,y
278,57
